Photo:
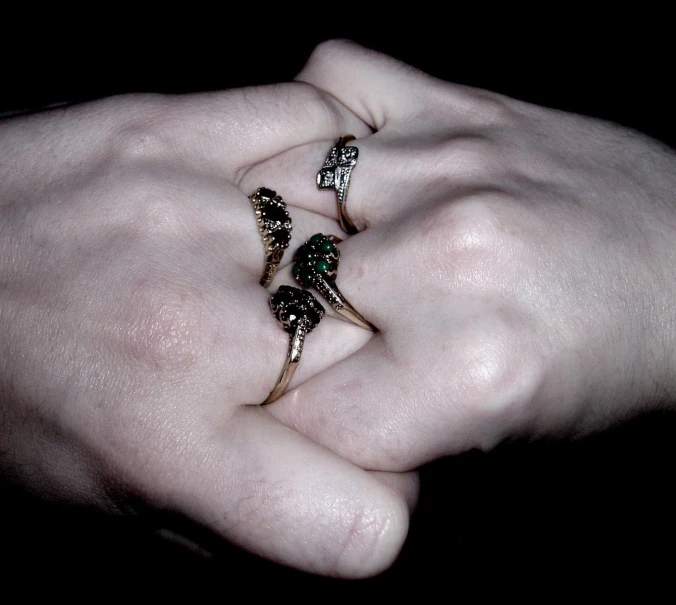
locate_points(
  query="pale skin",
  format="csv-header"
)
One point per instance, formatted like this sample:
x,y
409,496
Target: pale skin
x,y
518,262
137,343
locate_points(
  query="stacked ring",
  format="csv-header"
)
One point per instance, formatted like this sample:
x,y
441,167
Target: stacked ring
x,y
298,312
316,265
274,224
336,175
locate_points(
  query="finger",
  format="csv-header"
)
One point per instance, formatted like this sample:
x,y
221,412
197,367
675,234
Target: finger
x,y
437,248
273,492
369,274
376,87
366,409
247,325
305,224
199,286
235,129
391,407
220,133
284,277
385,181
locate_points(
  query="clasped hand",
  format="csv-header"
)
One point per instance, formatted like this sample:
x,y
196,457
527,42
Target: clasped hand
x,y
517,261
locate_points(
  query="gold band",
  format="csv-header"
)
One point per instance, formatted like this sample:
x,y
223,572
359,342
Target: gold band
x,y
274,224
333,296
336,175
298,313
290,365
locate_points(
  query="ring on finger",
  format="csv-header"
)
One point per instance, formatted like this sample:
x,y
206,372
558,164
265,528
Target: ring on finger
x,y
274,224
336,174
298,312
316,266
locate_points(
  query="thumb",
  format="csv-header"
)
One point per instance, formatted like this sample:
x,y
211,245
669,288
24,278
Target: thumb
x,y
374,86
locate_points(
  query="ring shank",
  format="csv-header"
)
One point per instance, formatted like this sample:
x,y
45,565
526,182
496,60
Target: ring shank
x,y
330,291
292,360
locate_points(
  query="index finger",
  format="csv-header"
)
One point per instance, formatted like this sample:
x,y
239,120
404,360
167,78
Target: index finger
x,y
226,132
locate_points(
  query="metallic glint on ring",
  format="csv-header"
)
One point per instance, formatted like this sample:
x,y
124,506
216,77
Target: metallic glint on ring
x,y
298,312
336,175
316,265
274,224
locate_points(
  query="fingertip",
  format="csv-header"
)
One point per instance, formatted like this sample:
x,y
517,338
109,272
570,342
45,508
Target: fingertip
x,y
324,69
335,48
373,537
373,85
300,504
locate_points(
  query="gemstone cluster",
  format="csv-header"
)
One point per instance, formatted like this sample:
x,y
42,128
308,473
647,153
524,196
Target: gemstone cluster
x,y
273,219
316,259
291,306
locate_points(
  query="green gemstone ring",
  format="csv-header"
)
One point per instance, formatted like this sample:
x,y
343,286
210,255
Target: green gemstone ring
x,y
316,266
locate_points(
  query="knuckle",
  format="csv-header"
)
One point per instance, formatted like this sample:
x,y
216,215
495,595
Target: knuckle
x,y
318,106
487,367
461,238
148,133
167,326
497,376
327,52
158,208
484,108
476,228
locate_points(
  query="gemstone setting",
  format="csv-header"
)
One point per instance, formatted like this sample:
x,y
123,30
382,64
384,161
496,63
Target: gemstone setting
x,y
317,259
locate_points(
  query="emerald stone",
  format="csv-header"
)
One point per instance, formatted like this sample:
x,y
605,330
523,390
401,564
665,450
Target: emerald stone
x,y
295,270
322,266
328,247
317,238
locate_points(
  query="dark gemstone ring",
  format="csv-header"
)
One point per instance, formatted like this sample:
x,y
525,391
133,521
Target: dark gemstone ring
x,y
298,312
274,224
316,266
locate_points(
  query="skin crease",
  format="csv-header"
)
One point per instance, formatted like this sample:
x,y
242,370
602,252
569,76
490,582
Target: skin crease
x,y
137,343
517,260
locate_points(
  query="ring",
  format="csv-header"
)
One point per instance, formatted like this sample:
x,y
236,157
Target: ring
x,y
298,312
316,265
336,175
274,224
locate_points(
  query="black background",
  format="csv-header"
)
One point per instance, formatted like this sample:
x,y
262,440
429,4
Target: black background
x,y
555,514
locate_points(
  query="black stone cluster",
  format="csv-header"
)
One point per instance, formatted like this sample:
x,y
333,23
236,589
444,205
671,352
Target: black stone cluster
x,y
290,305
275,216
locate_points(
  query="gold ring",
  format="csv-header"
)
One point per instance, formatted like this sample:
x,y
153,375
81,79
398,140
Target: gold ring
x,y
274,224
336,175
316,265
298,312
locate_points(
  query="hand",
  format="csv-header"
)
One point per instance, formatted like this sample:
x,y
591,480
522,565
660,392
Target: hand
x,y
136,341
518,261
